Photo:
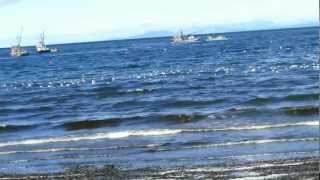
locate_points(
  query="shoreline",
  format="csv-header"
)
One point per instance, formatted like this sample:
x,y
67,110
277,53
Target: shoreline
x,y
299,168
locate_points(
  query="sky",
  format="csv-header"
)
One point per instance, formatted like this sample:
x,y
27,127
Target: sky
x,y
67,21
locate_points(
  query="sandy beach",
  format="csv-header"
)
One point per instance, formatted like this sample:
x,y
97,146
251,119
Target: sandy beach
x,y
302,168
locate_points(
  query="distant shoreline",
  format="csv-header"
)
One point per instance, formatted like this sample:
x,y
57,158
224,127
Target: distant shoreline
x,y
159,37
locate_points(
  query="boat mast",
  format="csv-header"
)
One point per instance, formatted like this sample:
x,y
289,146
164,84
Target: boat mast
x,y
19,37
181,36
42,39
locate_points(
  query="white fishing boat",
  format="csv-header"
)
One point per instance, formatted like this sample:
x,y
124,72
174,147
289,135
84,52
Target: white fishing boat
x,y
41,46
181,38
216,38
17,50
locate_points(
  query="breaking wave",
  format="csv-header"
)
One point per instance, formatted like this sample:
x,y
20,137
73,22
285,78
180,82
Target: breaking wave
x,y
257,127
152,132
181,118
191,103
292,97
302,111
302,97
97,136
260,141
240,143
14,128
91,124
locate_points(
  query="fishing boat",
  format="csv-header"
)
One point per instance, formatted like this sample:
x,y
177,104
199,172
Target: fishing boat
x,y
17,50
41,46
216,38
181,38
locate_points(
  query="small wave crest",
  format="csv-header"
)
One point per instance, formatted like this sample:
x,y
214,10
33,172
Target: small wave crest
x,y
292,97
14,128
181,118
291,111
255,127
91,124
309,123
97,136
25,109
138,90
111,91
301,111
107,91
258,127
112,122
151,132
261,100
263,141
82,149
298,97
191,103
244,142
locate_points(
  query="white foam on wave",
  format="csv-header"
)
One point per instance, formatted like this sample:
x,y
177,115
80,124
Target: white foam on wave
x,y
154,132
78,149
244,142
54,150
3,125
309,123
258,127
37,151
97,136
249,142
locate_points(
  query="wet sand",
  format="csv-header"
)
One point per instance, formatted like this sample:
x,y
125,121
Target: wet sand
x,y
302,168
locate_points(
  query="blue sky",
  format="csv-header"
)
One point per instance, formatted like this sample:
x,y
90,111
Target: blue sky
x,y
90,20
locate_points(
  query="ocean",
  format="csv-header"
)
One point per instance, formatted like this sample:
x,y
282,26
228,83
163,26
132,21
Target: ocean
x,y
147,103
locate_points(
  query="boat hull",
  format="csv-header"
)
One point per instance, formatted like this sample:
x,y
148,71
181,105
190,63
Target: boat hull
x,y
17,51
25,54
44,51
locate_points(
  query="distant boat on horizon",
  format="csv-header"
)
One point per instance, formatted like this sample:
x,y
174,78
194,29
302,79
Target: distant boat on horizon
x,y
181,38
41,46
216,38
17,50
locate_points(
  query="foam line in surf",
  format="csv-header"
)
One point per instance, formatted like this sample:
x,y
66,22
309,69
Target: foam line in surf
x,y
51,150
152,132
258,127
242,143
251,142
79,149
97,136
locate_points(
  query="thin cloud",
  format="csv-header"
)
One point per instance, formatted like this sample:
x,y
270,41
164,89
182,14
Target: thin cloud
x,y
8,2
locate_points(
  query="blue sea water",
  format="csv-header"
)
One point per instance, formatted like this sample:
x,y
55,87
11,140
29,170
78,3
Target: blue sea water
x,y
149,103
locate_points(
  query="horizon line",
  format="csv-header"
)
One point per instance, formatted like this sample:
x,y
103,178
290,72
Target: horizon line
x,y
152,37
